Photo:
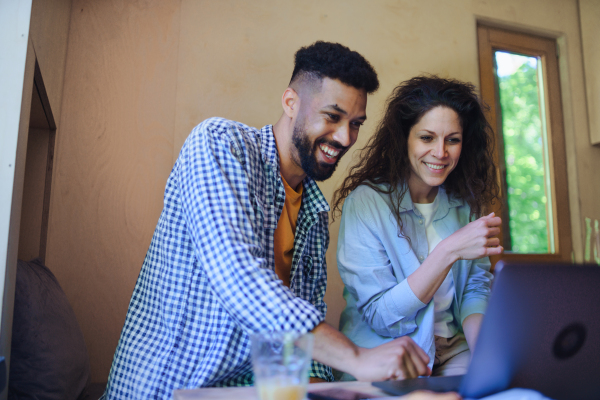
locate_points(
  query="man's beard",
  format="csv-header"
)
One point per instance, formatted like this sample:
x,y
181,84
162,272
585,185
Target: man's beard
x,y
307,154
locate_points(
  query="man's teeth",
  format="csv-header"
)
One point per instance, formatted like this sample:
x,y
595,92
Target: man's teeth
x,y
434,166
329,151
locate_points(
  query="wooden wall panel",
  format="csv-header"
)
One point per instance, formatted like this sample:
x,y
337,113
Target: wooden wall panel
x,y
113,155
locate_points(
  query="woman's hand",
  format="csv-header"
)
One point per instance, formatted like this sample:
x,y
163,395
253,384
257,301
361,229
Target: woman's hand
x,y
472,241
476,239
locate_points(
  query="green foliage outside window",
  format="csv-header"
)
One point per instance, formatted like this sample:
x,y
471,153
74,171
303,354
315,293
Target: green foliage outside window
x,y
523,151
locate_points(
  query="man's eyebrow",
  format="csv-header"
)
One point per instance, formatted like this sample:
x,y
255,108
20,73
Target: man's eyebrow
x,y
342,111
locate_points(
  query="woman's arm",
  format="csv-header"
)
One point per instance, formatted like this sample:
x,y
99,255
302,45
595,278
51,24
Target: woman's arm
x,y
471,326
383,297
472,241
474,299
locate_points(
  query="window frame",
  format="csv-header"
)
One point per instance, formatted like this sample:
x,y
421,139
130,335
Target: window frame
x,y
491,39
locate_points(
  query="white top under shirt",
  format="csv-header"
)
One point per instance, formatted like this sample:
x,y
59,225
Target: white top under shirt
x,y
442,299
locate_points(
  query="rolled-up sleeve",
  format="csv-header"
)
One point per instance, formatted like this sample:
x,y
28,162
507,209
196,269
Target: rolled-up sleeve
x,y
385,301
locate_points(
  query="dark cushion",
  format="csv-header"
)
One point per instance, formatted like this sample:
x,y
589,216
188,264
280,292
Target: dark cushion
x,y
48,358
93,391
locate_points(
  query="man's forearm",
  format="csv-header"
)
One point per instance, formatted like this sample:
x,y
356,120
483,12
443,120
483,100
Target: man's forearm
x,y
398,359
333,348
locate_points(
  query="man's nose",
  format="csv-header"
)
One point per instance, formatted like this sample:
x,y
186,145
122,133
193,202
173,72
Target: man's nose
x,y
342,135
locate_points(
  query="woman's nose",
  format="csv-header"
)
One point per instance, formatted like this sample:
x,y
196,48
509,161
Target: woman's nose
x,y
439,150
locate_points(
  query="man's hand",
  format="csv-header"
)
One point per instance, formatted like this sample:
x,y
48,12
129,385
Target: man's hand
x,y
401,358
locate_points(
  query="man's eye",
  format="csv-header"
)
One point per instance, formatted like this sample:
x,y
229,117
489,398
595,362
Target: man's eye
x,y
333,117
357,125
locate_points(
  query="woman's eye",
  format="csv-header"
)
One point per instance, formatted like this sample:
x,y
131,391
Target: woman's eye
x,y
426,138
454,140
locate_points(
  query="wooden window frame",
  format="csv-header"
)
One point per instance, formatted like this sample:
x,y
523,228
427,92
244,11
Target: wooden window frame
x,y
491,39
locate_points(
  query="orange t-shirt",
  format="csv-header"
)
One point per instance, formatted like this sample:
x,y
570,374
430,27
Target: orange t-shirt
x,y
285,232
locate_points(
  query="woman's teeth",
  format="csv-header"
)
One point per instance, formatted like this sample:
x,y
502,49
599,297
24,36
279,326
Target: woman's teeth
x,y
434,166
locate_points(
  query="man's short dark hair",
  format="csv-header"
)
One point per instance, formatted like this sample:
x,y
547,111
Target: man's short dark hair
x,y
335,61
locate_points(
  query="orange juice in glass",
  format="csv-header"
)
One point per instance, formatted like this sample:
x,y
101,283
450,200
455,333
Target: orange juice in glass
x,y
280,361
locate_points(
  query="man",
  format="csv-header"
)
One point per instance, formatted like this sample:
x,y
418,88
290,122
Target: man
x,y
240,245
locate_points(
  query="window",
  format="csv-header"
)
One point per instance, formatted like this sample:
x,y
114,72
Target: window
x,y
520,83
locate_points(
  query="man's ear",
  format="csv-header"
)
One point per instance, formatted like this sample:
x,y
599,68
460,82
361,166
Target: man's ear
x,y
290,101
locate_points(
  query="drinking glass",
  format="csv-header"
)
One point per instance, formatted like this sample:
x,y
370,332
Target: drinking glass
x,y
280,361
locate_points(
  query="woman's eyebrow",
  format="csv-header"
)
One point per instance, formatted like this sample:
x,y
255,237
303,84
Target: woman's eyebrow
x,y
435,133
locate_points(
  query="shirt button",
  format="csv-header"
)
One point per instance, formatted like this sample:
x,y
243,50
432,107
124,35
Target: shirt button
x,y
421,258
421,221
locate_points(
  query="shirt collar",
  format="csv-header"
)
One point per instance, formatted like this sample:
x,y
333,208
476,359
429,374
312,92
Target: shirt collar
x,y
444,201
268,147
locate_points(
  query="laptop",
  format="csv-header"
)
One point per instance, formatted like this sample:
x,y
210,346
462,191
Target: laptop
x,y
541,331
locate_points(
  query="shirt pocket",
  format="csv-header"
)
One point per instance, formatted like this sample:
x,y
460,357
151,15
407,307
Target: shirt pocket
x,y
306,278
312,270
307,266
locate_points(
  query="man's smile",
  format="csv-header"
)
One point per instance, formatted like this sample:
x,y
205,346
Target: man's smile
x,y
330,152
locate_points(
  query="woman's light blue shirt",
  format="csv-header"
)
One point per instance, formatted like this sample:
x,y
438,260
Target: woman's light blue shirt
x,y
374,263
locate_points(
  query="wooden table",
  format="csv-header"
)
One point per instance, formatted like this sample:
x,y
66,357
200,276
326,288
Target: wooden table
x,y
249,393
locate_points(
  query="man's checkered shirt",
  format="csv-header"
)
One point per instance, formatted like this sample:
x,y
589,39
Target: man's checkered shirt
x,y
208,279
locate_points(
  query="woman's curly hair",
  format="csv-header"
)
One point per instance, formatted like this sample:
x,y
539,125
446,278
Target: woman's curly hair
x,y
384,160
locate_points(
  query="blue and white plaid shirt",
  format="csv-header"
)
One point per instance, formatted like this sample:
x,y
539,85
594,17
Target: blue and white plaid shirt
x,y
208,279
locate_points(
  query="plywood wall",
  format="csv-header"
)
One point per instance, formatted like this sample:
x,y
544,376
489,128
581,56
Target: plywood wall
x,y
141,74
114,152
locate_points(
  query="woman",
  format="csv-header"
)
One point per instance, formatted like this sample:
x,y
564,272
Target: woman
x,y
412,261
